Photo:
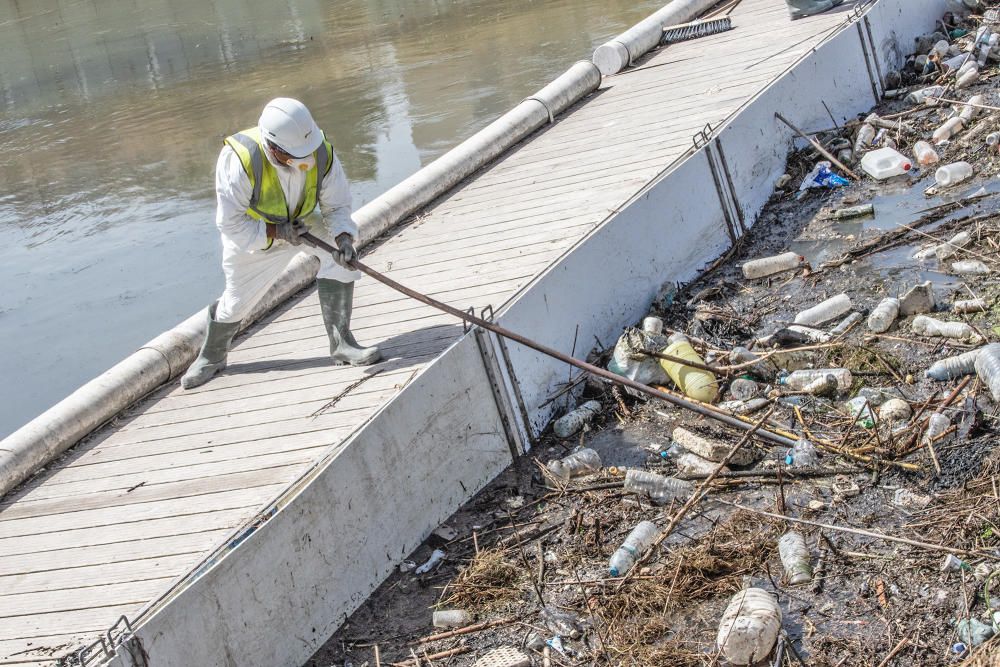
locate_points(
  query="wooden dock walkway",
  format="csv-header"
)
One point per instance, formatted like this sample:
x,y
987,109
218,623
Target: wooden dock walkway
x,y
106,529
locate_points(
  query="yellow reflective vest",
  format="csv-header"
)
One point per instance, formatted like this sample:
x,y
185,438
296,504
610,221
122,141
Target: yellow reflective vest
x,y
267,202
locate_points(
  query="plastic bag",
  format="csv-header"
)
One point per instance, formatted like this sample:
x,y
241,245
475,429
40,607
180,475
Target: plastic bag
x,y
822,177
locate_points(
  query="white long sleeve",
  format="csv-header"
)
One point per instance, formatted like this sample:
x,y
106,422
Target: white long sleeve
x,y
233,192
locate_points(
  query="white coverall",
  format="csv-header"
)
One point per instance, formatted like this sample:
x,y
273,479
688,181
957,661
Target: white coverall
x,y
250,269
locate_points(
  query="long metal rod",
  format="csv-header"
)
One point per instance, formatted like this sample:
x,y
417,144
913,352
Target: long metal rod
x,y
700,408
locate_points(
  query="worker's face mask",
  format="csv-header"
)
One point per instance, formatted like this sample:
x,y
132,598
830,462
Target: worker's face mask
x,y
278,156
302,164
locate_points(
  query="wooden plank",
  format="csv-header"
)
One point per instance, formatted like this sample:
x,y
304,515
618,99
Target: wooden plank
x,y
96,619
14,608
40,650
160,567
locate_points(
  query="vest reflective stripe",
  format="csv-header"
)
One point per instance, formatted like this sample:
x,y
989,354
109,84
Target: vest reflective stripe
x,y
267,202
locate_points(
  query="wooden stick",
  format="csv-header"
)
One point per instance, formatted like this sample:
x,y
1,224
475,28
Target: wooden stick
x,y
892,654
434,656
818,146
476,627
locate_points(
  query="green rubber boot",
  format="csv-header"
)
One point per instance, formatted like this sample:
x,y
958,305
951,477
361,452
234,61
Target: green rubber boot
x,y
212,357
335,301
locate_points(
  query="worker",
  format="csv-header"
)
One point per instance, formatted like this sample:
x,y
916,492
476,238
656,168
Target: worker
x,y
273,183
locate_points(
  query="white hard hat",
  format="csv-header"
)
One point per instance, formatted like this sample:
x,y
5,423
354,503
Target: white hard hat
x,y
288,124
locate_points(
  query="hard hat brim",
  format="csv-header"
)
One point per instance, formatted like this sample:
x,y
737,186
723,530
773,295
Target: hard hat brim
x,y
310,146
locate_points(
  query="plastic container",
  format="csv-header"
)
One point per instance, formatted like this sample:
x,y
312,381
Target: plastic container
x,y
969,306
883,315
859,408
928,326
970,267
713,450
573,422
865,137
742,389
895,410
803,454
924,153
954,244
451,618
954,173
885,163
846,323
936,425
659,489
767,266
693,382
798,380
950,128
635,545
950,368
749,627
795,558
988,369
921,96
652,325
830,309
582,462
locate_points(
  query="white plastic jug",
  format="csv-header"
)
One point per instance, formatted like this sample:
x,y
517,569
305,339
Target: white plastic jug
x,y
885,163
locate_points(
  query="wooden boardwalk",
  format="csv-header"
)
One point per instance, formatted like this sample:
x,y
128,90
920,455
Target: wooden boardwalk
x,y
106,530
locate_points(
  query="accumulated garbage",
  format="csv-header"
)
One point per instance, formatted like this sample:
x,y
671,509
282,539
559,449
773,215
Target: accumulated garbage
x,y
832,433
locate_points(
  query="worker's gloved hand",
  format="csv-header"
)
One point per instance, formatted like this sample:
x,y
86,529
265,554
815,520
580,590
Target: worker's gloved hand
x,y
288,231
347,252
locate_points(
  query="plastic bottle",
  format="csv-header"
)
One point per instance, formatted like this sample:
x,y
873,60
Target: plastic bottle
x,y
692,464
859,408
894,410
951,248
950,368
988,369
635,545
971,108
885,163
970,267
925,253
954,173
928,326
823,386
712,450
965,80
813,335
824,312
745,407
659,489
742,389
950,128
795,558
969,306
966,68
936,425
846,323
766,266
582,462
749,627
940,48
866,135
853,211
883,315
451,618
573,421
797,380
924,153
803,454
694,382
921,96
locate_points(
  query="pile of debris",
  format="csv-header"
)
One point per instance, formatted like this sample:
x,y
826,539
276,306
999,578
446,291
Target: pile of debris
x,y
852,520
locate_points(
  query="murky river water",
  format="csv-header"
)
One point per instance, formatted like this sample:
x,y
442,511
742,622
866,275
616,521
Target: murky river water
x,y
113,112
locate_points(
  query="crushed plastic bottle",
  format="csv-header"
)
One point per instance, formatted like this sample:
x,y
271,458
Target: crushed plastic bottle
x,y
950,368
846,323
451,618
969,306
767,266
923,325
988,369
925,153
937,424
883,315
745,407
822,386
795,558
970,108
798,380
561,623
749,627
632,549
661,490
909,500
811,334
709,449
692,464
803,454
582,462
865,138
922,95
859,408
696,383
885,163
822,177
953,245
573,422
948,129
966,79
954,173
970,267
742,389
853,211
821,313
894,410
